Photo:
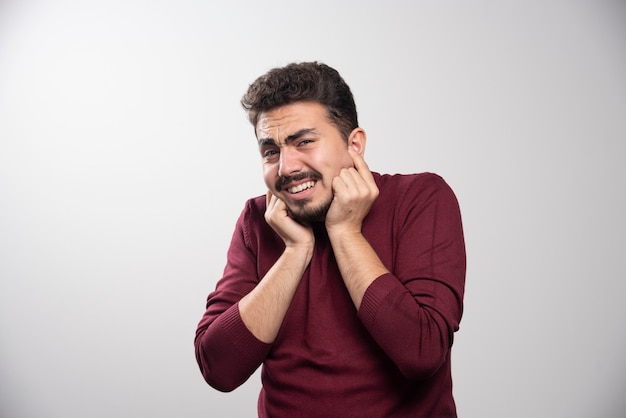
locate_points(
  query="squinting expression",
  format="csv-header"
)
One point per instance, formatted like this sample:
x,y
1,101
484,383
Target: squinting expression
x,y
302,151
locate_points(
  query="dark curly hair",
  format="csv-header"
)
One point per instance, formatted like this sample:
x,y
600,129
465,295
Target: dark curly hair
x,y
301,82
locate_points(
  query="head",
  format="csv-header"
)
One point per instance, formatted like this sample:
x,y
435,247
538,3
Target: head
x,y
305,121
303,82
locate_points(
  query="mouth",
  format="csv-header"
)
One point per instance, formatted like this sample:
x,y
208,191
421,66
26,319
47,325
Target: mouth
x,y
300,187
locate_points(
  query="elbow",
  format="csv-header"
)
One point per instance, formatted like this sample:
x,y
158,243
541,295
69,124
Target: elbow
x,y
218,379
430,350
429,353
424,365
216,373
221,383
220,371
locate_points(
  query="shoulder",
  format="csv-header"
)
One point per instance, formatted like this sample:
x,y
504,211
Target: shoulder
x,y
402,184
402,193
253,215
251,221
255,206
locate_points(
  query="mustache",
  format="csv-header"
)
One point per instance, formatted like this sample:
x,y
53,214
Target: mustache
x,y
285,180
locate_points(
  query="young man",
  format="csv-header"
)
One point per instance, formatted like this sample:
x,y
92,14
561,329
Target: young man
x,y
346,285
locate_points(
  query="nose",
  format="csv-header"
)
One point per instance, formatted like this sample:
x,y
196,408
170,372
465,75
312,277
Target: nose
x,y
289,162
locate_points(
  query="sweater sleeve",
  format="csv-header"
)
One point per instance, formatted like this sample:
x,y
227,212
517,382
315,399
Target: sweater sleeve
x,y
414,311
226,351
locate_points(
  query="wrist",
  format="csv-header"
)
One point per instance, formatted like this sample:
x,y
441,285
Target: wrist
x,y
343,231
302,251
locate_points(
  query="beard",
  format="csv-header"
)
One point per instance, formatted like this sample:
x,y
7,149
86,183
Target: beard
x,y
304,214
301,211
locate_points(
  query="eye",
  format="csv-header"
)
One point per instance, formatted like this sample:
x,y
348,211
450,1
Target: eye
x,y
270,154
305,142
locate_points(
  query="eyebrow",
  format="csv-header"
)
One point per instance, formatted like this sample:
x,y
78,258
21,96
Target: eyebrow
x,y
290,138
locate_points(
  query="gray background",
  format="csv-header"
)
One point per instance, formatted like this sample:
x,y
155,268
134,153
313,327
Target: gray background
x,y
125,160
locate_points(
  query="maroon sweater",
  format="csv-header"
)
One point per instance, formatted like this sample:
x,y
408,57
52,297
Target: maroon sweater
x,y
389,359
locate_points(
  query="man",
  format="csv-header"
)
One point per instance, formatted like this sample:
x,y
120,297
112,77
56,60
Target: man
x,y
345,284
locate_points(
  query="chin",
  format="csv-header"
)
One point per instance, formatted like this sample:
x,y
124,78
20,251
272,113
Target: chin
x,y
308,215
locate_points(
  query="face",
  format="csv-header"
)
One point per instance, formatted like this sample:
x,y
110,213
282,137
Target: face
x,y
302,151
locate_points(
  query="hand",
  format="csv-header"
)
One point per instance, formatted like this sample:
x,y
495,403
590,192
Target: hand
x,y
354,192
293,234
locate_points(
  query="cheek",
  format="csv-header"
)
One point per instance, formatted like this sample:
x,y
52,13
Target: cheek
x,y
340,161
347,161
270,174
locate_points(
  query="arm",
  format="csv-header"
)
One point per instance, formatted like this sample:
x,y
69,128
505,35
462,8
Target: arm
x,y
413,312
354,193
230,342
263,309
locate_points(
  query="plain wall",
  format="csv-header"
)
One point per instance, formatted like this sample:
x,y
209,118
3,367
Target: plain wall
x,y
125,160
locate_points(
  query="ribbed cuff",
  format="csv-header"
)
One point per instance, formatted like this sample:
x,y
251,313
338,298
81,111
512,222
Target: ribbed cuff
x,y
240,336
374,296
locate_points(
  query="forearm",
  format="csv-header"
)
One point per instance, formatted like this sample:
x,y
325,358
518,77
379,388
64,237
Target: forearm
x,y
413,333
226,350
264,308
414,337
358,262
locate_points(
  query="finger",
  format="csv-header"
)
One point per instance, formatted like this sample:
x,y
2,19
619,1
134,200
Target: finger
x,y
270,201
337,185
361,166
357,159
273,202
350,177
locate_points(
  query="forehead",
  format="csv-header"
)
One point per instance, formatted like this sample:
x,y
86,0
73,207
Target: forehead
x,y
285,120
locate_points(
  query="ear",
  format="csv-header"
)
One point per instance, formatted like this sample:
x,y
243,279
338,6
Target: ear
x,y
357,140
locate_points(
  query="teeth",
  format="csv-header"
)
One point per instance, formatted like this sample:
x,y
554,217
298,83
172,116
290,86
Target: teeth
x,y
303,186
